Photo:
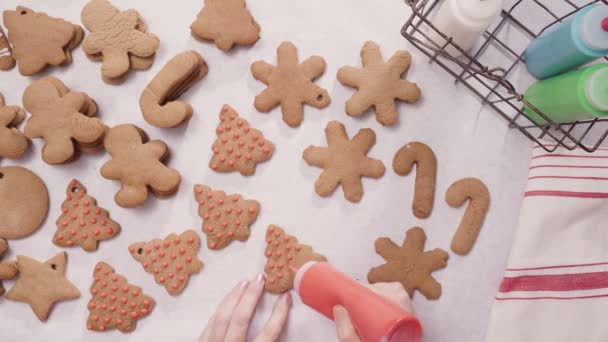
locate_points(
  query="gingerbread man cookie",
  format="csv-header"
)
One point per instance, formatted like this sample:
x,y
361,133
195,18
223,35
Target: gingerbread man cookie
x,y
7,61
285,255
137,164
238,146
226,22
62,119
12,141
290,84
8,269
39,40
379,83
116,35
409,264
116,304
344,161
82,223
172,260
225,217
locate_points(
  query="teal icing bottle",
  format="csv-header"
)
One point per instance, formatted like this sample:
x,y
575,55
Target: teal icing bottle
x,y
576,95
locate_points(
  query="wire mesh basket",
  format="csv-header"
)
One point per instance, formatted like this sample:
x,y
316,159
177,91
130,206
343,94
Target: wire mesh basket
x,y
493,82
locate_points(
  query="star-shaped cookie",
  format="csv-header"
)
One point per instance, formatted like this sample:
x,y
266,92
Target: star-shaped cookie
x,y
42,284
290,84
345,161
379,83
409,264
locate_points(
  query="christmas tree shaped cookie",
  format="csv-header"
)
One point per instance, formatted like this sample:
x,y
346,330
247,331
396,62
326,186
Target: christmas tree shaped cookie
x,y
238,146
285,255
82,223
116,304
171,260
225,217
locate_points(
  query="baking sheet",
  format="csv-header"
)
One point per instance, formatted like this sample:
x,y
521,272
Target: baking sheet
x,y
469,141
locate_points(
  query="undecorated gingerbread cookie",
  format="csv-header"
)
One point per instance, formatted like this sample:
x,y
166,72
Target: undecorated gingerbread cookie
x,y
82,223
137,164
13,142
426,173
8,269
379,83
409,264
24,202
344,161
7,61
285,255
227,23
225,217
290,84
171,260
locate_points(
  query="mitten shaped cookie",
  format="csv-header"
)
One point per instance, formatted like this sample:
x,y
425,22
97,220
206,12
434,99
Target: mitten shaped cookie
x,y
115,35
57,117
238,146
285,255
12,141
290,84
226,22
345,161
39,40
8,269
7,61
116,304
82,223
379,83
225,217
137,164
409,264
171,260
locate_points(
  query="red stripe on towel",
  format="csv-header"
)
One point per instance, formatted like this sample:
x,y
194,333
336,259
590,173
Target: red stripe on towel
x,y
552,297
567,177
556,266
558,155
569,166
555,282
557,193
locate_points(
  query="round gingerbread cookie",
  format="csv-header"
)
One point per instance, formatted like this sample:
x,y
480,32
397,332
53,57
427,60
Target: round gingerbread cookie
x,y
24,202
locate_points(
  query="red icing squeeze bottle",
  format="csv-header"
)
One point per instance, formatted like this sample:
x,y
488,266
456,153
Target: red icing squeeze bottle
x,y
375,318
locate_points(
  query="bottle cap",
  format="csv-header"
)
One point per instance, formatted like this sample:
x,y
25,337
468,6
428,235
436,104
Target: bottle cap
x,y
592,31
596,89
479,12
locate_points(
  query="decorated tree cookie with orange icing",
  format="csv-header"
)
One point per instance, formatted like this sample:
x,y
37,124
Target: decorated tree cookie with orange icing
x,y
285,255
238,146
82,223
116,304
171,260
225,217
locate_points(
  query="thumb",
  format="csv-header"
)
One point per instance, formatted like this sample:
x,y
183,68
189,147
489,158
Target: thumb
x,y
344,326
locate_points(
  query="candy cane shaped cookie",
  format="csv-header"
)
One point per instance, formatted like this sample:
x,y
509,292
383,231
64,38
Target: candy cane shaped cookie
x,y
426,174
468,230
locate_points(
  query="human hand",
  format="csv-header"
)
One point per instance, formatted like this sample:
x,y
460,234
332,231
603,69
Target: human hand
x,y
394,292
233,316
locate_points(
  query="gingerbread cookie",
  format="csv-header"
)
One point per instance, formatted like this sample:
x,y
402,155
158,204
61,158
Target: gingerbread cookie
x,y
39,40
42,284
426,174
285,255
379,83
226,22
238,146
116,35
409,264
116,304
82,223
479,201
178,75
8,269
137,164
344,161
225,217
12,141
290,84
63,119
24,202
171,260
7,62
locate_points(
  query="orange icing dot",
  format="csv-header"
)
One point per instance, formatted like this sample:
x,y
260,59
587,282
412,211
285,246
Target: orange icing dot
x,y
97,211
278,253
224,140
173,256
64,210
145,265
219,235
210,206
182,251
298,248
109,231
86,203
268,253
266,150
161,279
212,245
64,224
84,235
119,321
289,257
231,163
220,130
215,151
276,243
261,143
230,233
148,249
246,129
102,328
271,228
177,240
222,159
75,203
125,289
277,234
135,293
280,265
92,305
146,302
156,270
179,267
103,294
170,275
182,278
210,229
73,216
280,275
174,286
241,143
206,216
227,127
224,224
156,245
166,244
251,146
69,242
190,239
123,312
98,267
161,254
112,298
271,280
164,264
102,222
73,232
188,259
114,287
93,220
59,237
232,116
239,210
104,306
95,318
124,301
255,137
213,166
96,232
133,314
248,156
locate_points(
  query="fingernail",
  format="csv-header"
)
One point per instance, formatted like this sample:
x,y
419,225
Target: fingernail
x,y
286,298
243,284
260,279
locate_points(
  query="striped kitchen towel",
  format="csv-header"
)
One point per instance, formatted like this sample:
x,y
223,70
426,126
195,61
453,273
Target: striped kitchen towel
x,y
556,285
